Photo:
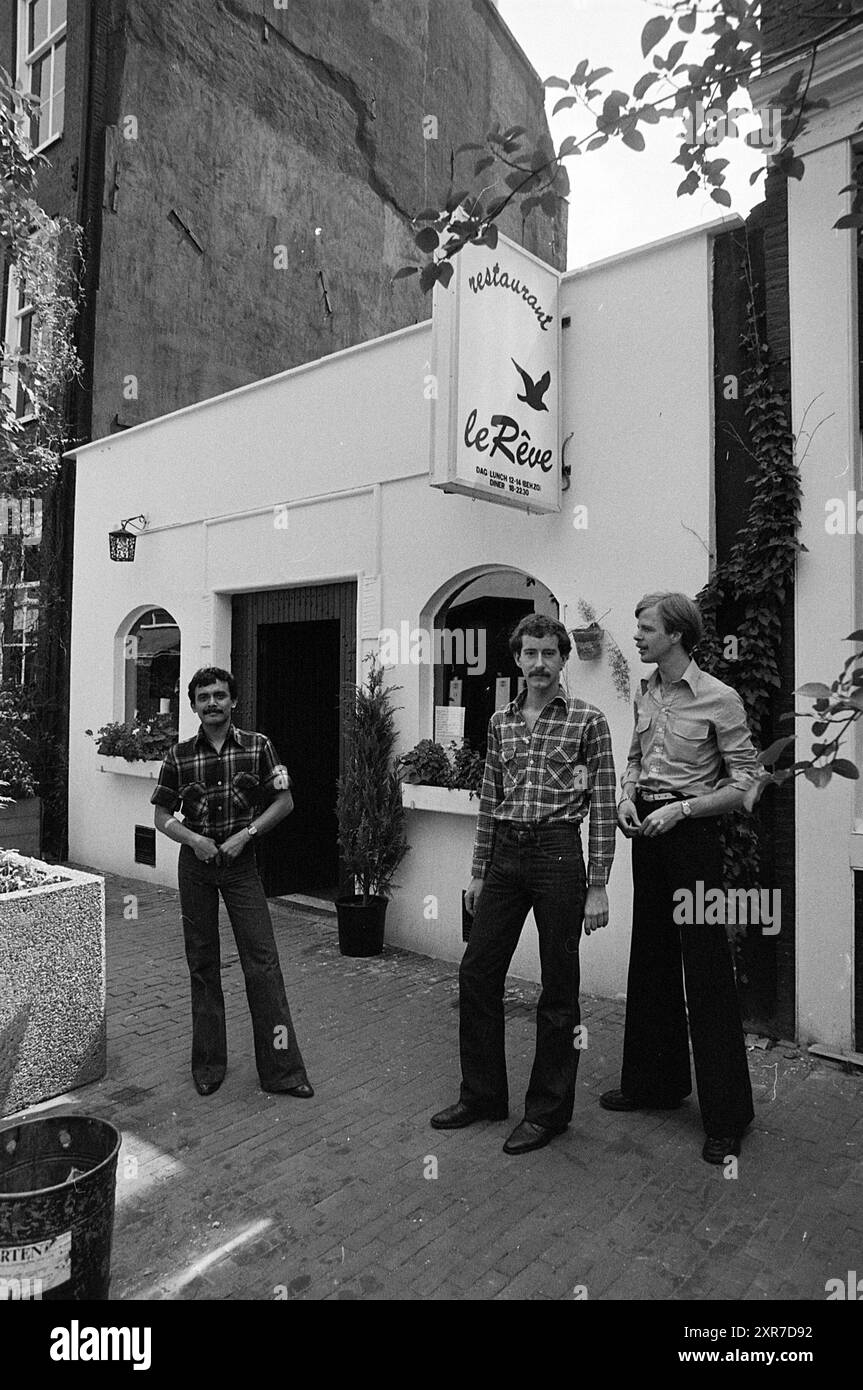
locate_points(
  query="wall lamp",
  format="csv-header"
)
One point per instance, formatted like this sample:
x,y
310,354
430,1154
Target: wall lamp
x,y
121,544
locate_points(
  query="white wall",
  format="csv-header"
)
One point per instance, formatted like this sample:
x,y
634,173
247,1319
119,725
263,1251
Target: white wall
x,y
638,397
824,388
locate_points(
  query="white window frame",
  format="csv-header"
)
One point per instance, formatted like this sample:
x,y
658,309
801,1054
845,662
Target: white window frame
x,y
130,662
24,67
16,314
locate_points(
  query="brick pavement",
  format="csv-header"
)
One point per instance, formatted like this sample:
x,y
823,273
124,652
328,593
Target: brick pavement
x,y
243,1195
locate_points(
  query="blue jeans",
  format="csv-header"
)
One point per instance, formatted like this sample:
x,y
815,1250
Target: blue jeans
x,y
541,869
277,1053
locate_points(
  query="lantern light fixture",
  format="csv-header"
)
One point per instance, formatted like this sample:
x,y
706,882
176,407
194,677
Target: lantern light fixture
x,y
121,544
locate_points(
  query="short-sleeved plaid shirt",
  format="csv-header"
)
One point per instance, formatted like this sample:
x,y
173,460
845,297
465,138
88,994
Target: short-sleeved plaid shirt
x,y
557,773
220,793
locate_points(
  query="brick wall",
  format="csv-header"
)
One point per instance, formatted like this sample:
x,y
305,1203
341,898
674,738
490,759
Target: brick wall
x,y
786,23
252,133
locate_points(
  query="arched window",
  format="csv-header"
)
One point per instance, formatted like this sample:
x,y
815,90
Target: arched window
x,y
152,652
474,666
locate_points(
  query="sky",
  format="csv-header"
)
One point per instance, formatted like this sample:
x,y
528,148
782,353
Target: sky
x,y
620,198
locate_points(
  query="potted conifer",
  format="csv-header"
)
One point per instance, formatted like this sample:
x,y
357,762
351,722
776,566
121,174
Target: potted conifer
x,y
370,815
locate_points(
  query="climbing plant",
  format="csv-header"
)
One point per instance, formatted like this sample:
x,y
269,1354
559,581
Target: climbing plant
x,y
758,573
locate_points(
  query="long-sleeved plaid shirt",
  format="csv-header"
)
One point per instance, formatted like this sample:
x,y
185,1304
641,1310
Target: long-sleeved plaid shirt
x,y
558,773
220,793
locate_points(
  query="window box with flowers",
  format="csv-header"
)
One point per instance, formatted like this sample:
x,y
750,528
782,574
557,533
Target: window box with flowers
x,y
135,748
436,780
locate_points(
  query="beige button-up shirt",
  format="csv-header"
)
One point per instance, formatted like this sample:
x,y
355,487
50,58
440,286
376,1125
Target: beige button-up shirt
x,y
684,731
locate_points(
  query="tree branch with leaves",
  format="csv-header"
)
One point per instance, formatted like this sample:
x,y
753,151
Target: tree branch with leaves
x,y
696,79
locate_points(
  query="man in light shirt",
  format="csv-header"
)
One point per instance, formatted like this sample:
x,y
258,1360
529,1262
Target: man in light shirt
x,y
688,726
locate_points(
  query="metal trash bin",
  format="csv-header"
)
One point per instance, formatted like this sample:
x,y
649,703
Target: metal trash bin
x,y
57,1178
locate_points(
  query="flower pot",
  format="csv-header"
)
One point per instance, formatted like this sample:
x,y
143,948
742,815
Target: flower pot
x,y
361,929
588,642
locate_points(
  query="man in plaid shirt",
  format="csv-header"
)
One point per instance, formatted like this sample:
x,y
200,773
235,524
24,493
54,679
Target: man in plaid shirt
x,y
220,778
548,764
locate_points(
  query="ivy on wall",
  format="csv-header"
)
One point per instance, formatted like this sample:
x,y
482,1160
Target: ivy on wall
x,y
757,574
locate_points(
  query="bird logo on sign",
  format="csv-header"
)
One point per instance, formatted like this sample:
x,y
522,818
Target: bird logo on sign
x,y
534,390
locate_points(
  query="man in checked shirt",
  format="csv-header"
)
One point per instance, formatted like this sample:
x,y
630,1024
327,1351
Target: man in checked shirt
x,y
220,777
548,763
687,724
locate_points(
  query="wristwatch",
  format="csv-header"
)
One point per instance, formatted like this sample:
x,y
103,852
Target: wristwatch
x,y
686,808
252,829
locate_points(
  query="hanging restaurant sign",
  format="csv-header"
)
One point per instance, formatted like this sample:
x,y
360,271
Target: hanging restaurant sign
x,y
495,429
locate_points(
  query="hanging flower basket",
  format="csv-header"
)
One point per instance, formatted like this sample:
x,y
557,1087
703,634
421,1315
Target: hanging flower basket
x,y
588,642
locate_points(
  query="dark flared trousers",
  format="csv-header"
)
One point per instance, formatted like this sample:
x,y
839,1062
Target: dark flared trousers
x,y
277,1053
543,870
666,953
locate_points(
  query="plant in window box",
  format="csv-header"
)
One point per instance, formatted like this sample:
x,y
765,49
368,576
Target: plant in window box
x,y
427,764
370,815
468,767
145,740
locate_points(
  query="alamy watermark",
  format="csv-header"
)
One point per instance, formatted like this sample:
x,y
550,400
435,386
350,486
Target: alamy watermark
x,y
728,907
710,125
442,647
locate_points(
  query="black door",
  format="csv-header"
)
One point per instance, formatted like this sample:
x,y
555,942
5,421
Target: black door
x,y
298,708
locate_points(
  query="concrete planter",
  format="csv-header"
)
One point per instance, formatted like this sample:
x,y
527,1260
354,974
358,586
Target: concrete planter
x,y
416,797
52,988
21,826
141,768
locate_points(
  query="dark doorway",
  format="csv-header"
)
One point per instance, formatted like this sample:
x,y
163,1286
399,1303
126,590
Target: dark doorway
x,y
293,652
298,707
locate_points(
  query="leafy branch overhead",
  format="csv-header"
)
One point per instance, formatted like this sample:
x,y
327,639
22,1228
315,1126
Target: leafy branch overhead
x,y
701,56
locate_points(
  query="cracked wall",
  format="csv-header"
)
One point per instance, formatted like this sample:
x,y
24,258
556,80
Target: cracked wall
x,y
256,126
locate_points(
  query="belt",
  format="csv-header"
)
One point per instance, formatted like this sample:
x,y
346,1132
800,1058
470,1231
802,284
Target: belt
x,y
662,796
530,832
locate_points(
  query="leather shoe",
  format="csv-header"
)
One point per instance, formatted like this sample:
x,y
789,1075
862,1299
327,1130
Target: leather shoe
x,y
719,1147
528,1136
206,1088
459,1116
304,1091
616,1100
